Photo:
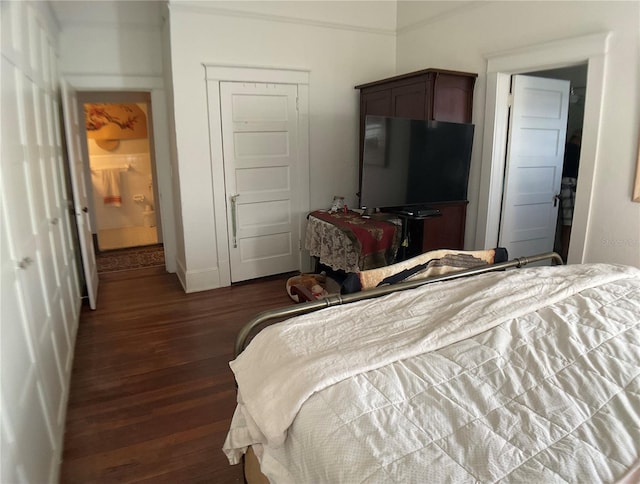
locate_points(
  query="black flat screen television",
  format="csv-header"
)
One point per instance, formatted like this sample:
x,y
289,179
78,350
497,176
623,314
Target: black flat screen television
x,y
408,162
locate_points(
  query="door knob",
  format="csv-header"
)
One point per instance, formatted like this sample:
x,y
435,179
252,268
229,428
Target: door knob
x,y
25,262
85,209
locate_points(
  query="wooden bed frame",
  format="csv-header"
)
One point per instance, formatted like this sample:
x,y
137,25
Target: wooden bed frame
x,y
336,300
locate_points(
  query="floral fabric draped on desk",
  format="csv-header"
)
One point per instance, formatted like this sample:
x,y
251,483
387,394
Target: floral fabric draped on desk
x,y
350,242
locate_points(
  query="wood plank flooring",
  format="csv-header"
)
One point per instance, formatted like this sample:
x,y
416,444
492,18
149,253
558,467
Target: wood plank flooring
x,y
152,394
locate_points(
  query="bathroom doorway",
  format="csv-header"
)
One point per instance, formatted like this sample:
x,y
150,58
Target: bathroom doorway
x,y
120,171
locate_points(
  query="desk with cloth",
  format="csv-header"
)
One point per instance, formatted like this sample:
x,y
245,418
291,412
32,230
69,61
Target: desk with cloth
x,y
350,242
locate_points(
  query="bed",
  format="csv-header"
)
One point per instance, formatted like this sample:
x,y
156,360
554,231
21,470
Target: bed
x,y
529,375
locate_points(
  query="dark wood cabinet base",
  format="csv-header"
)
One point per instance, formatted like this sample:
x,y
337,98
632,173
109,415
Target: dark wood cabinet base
x,y
445,231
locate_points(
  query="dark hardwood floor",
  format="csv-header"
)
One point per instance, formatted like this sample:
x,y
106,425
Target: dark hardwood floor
x,y
152,394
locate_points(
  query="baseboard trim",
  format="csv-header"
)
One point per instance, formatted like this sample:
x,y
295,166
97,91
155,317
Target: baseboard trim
x,y
198,280
181,273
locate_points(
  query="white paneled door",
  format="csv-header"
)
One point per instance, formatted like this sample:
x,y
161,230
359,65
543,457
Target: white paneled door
x,y
535,152
40,302
80,193
260,139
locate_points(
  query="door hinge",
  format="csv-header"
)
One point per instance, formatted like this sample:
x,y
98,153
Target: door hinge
x,y
510,100
297,104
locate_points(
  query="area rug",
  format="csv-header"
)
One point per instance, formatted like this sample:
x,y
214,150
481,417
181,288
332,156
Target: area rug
x,y
128,259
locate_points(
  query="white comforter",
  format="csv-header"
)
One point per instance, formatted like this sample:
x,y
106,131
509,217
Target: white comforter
x,y
521,376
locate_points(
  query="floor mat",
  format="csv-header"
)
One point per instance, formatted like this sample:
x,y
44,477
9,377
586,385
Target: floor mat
x,y
127,259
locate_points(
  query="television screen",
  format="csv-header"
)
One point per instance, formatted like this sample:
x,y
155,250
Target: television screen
x,y
414,162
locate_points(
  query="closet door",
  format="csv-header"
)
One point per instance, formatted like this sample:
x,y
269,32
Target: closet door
x,y
261,165
40,297
28,406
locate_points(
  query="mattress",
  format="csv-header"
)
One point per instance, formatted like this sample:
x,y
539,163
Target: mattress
x,y
528,376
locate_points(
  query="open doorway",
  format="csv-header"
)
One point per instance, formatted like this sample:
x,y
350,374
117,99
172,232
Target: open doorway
x,y
121,177
591,49
577,76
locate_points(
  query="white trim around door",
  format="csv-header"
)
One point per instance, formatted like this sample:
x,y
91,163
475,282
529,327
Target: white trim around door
x,y
159,112
500,67
215,74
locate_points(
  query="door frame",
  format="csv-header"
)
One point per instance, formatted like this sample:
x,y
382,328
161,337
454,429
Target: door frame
x,y
159,114
591,49
214,75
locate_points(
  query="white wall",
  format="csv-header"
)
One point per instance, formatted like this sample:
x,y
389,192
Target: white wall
x,y
167,66
338,47
461,40
111,38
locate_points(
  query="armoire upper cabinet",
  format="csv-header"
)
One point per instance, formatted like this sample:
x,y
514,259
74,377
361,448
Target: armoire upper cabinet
x,y
427,94
430,94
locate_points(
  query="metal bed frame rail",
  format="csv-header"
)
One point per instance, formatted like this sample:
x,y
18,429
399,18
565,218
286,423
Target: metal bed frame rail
x,y
337,300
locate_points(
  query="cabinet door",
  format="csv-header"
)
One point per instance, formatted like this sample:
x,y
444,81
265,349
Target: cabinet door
x,y
453,98
409,101
377,103
447,231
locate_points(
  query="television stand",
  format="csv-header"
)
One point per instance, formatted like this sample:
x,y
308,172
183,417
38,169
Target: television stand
x,y
420,212
417,212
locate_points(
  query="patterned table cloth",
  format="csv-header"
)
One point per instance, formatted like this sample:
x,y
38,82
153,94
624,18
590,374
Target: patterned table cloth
x,y
350,242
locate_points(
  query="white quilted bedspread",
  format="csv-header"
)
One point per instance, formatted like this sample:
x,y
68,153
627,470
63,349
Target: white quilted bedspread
x,y
529,376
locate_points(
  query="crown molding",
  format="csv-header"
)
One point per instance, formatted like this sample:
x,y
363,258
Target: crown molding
x,y
129,25
199,7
